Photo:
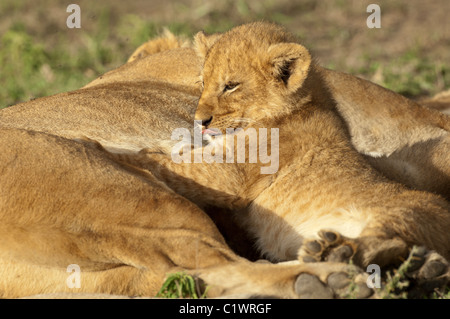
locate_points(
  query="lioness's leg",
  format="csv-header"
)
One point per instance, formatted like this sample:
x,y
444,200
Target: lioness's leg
x,y
285,280
402,139
64,203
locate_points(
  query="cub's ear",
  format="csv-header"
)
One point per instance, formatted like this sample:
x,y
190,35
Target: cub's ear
x,y
203,42
290,63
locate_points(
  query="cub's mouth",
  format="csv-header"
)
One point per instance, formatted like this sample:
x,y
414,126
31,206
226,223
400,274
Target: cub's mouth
x,y
211,131
206,130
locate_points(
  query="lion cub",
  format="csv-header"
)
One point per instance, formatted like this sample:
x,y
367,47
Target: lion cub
x,y
325,202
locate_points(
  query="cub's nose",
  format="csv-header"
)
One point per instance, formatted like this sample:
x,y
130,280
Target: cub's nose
x,y
206,122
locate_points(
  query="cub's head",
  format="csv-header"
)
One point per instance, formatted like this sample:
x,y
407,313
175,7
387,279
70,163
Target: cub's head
x,y
250,74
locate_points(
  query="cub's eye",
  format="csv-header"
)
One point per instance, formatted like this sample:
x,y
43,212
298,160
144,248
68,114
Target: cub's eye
x,y
230,87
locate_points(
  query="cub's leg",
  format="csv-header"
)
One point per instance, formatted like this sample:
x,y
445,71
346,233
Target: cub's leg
x,y
334,247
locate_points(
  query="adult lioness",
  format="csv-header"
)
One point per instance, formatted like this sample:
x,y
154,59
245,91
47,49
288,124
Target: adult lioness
x,y
64,202
440,101
257,76
405,141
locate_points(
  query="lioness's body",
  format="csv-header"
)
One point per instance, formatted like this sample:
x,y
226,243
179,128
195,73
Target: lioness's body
x,y
124,110
405,141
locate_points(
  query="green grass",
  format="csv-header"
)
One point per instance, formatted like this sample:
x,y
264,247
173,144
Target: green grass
x,y
397,282
441,295
30,69
411,74
181,285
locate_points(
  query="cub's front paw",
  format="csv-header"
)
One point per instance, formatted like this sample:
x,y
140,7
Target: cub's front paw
x,y
331,246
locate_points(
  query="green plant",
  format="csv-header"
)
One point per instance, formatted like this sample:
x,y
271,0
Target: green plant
x,y
441,295
396,280
21,61
181,285
352,289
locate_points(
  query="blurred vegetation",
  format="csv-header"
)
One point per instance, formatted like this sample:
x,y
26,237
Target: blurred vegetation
x,y
410,74
40,56
31,69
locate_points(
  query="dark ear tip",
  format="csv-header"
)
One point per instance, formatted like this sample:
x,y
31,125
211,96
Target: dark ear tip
x,y
286,71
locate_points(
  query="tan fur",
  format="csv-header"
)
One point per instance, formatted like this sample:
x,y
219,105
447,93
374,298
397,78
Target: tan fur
x,y
167,41
66,201
256,76
402,139
440,101
182,69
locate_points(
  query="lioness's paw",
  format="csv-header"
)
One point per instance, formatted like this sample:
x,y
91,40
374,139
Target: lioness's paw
x,y
348,283
330,247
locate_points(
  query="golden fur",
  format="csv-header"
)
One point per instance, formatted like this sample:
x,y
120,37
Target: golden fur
x,y
405,141
166,42
440,101
257,76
